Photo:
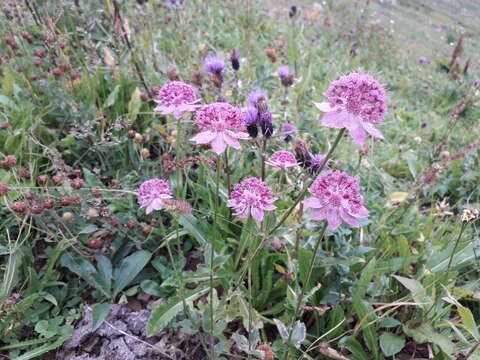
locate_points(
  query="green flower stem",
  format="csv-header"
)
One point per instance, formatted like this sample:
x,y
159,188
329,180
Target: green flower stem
x,y
305,190
305,285
464,223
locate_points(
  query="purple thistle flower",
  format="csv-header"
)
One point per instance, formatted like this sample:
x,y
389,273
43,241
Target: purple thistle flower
x,y
256,96
336,198
283,71
251,120
288,131
316,162
476,82
214,64
422,59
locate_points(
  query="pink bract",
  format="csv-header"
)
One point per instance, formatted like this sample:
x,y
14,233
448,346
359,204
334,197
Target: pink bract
x,y
282,159
355,102
152,193
336,198
252,196
176,98
220,125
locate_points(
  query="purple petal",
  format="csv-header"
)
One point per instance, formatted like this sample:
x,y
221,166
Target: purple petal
x,y
324,106
257,214
231,141
318,215
312,202
204,137
218,144
334,219
349,219
334,119
372,130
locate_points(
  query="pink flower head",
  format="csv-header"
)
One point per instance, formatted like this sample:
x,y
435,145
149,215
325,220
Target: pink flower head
x,y
282,159
220,124
176,98
356,102
152,193
336,198
214,64
283,71
251,196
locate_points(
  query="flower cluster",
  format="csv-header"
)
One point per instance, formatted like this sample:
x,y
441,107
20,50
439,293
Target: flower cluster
x,y
220,124
176,98
355,102
152,193
257,100
336,198
282,159
252,196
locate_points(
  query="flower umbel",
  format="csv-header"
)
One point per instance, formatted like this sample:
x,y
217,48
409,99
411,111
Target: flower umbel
x,y
220,124
355,102
252,196
336,199
176,98
152,193
282,159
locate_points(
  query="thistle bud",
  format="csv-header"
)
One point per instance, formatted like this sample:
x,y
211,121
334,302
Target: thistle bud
x,y
10,161
42,179
3,189
288,132
36,208
302,153
131,224
293,11
49,203
77,183
58,179
251,120
172,73
197,79
265,118
271,54
146,230
235,59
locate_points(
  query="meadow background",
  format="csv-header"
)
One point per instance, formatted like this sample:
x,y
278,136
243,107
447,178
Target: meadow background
x,y
88,275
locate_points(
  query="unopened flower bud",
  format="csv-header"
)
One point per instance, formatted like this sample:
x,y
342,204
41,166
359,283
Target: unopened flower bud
x,y
172,73
42,179
19,207
114,221
96,192
131,224
10,161
235,59
271,54
138,138
36,208
146,230
3,189
4,125
77,183
58,179
145,153
131,134
49,203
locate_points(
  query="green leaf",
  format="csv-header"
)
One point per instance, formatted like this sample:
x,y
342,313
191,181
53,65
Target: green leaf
x,y
134,104
355,348
99,314
112,97
35,353
128,269
164,313
299,333
468,321
189,222
90,228
6,102
104,270
419,293
423,333
391,344
152,288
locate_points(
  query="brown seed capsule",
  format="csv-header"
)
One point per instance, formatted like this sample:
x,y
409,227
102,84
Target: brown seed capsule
x,y
10,161
146,230
67,216
103,211
57,71
96,192
42,179
36,208
40,53
49,203
58,179
271,54
65,201
3,189
77,183
77,173
114,221
19,207
144,96
197,79
131,224
94,243
29,195
156,90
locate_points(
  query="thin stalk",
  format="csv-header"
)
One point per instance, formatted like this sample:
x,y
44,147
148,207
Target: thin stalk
x,y
464,223
305,285
212,257
249,310
227,171
180,273
262,159
303,193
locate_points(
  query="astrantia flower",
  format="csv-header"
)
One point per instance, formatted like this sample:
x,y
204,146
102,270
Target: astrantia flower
x,y
336,198
176,98
356,102
152,193
214,64
220,124
288,132
251,196
282,159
